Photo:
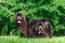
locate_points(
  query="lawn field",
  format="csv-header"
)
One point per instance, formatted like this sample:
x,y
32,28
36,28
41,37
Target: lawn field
x,y
16,39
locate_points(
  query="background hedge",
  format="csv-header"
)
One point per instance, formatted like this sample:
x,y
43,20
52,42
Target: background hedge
x,y
52,10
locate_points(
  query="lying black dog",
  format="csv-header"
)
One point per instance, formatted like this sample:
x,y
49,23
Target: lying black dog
x,y
39,28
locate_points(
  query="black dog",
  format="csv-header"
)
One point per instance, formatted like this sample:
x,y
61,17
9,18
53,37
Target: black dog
x,y
20,20
39,28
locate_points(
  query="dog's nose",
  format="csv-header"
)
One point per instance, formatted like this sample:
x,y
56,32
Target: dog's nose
x,y
19,21
39,32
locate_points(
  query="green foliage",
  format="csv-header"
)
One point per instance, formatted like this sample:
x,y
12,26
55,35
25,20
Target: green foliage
x,y
52,10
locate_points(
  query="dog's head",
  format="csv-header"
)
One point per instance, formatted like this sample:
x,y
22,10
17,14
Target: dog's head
x,y
19,18
39,29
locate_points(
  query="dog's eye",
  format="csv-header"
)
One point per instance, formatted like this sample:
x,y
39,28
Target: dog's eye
x,y
41,28
22,20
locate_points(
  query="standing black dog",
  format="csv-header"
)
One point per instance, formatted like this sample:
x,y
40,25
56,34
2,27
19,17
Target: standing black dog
x,y
33,27
20,20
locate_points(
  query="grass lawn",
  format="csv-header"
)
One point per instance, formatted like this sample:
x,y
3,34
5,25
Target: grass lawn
x,y
16,39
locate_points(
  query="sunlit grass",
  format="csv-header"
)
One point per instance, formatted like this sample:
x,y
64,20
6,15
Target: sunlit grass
x,y
16,39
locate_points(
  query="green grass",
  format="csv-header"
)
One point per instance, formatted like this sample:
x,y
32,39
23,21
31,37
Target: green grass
x,y
16,39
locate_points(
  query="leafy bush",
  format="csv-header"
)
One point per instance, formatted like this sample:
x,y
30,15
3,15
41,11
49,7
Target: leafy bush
x,y
52,10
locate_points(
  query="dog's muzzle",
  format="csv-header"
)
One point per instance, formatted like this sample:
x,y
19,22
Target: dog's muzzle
x,y
19,21
40,32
